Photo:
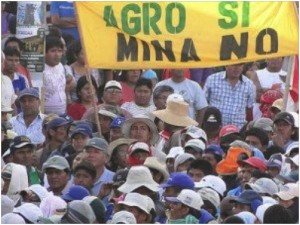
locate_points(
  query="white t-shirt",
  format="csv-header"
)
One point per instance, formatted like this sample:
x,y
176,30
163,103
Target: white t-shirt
x,y
134,109
55,84
191,92
8,95
267,78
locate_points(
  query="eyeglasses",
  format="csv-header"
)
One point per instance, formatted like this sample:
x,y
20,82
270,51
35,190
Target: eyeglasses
x,y
113,91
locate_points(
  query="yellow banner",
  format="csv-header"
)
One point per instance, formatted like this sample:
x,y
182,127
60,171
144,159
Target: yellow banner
x,y
131,35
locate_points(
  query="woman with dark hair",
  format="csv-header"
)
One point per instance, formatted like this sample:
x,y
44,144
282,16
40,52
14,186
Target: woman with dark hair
x,y
85,93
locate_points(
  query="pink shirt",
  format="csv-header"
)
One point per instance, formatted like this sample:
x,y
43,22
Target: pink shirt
x,y
128,93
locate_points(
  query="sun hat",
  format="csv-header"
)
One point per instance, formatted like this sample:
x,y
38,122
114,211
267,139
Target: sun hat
x,y
12,218
288,191
260,212
179,180
214,182
194,132
176,113
293,146
108,111
29,92
228,129
113,83
174,152
188,197
57,122
153,163
20,142
98,208
5,108
123,217
263,186
30,212
38,189
76,192
229,165
138,176
57,162
116,143
117,122
137,200
255,162
51,203
196,144
264,124
247,197
210,195
83,129
78,211
141,118
183,158
285,116
278,104
97,143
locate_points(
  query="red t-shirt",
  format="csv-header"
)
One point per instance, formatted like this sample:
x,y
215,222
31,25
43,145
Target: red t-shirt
x,y
76,110
127,93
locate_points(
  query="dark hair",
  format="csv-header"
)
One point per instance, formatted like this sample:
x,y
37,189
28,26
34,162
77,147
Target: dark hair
x,y
87,166
276,214
14,39
123,75
9,51
227,140
211,208
273,149
69,39
54,31
73,51
258,174
80,84
233,220
203,165
12,24
160,89
52,42
143,82
259,133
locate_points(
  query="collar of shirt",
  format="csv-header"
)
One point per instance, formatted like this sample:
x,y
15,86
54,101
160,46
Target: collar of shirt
x,y
104,177
39,116
224,76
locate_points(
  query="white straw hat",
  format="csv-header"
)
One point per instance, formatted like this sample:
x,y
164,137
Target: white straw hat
x,y
138,176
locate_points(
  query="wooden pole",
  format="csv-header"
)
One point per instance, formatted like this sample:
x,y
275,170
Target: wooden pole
x,y
290,71
43,91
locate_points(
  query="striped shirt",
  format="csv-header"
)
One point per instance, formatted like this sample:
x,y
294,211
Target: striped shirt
x,y
33,131
231,101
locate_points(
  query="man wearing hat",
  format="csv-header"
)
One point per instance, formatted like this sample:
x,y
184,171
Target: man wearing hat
x,y
80,136
112,93
285,131
57,170
21,150
115,128
248,200
57,134
29,121
96,149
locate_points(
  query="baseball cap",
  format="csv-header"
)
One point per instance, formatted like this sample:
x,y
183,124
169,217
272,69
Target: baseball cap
x,y
214,182
78,211
188,197
175,98
119,177
76,192
278,104
247,197
264,124
254,162
57,162
179,180
149,74
5,108
113,83
19,142
263,186
228,129
174,152
196,144
214,149
117,122
194,132
183,158
83,129
67,117
138,146
29,92
212,119
98,143
275,160
123,217
285,116
288,191
57,122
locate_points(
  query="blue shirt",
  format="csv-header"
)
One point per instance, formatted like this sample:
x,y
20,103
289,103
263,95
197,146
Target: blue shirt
x,y
107,176
33,131
235,192
65,9
231,101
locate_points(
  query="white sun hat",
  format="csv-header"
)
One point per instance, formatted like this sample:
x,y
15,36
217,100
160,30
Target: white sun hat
x,y
123,217
138,176
137,200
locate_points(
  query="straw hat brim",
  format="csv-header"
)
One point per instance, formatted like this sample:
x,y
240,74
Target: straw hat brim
x,y
155,165
128,123
114,144
171,118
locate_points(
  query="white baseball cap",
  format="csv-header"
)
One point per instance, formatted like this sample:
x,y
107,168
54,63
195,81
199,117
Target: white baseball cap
x,y
113,83
263,186
213,182
174,152
188,197
195,132
195,144
123,217
288,191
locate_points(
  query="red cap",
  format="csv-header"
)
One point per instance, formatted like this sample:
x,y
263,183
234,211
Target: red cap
x,y
228,129
255,162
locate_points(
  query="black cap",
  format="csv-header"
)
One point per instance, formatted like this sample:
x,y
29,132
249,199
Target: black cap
x,y
285,116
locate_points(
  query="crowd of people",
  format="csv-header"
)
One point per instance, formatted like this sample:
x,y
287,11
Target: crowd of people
x,y
181,146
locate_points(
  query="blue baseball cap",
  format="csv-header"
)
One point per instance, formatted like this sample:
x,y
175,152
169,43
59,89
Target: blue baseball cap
x,y
84,129
29,92
247,197
57,122
76,192
67,117
117,122
179,180
20,142
149,74
214,149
